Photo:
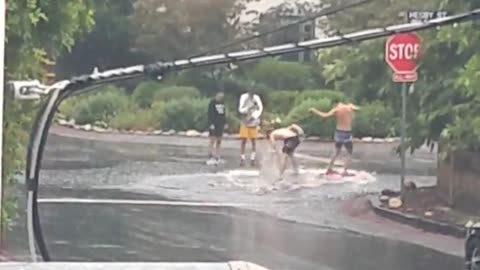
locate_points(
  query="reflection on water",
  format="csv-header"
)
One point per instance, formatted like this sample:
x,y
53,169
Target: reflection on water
x,y
161,233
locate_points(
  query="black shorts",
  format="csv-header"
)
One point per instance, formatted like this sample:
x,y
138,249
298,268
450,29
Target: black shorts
x,y
217,131
344,138
290,144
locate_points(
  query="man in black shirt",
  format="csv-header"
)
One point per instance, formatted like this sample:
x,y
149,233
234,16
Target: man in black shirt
x,y
216,125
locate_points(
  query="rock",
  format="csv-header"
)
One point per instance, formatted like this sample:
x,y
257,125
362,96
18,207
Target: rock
x,y
410,185
139,132
378,140
394,203
99,129
157,132
390,193
313,138
205,134
389,140
77,127
169,133
367,139
87,127
62,122
384,199
192,133
100,124
429,214
182,133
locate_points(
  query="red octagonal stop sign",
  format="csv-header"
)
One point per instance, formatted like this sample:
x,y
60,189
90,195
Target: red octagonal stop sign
x,y
402,52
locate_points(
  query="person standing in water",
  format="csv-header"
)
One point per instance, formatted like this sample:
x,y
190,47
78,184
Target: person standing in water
x,y
291,140
216,126
343,113
251,108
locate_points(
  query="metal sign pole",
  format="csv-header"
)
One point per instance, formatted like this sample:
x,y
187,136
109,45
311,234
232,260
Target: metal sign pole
x,y
404,133
2,59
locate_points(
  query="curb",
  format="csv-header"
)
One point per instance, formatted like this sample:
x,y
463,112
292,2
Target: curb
x,y
416,221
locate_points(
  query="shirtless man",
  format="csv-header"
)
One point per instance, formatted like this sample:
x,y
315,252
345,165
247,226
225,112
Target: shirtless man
x,y
343,113
291,139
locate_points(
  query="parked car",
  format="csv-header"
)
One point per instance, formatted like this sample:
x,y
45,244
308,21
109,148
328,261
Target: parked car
x,y
472,246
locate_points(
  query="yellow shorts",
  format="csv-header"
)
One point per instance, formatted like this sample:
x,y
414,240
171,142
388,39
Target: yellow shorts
x,y
247,133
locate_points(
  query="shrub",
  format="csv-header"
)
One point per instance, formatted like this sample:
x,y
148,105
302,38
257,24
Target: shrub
x,y
101,106
145,92
374,120
134,120
312,124
183,114
233,122
176,92
281,102
319,94
282,74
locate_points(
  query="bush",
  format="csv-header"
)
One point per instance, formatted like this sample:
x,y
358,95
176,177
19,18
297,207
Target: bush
x,y
233,122
312,124
183,114
145,92
374,120
282,74
319,94
134,120
281,102
176,92
101,106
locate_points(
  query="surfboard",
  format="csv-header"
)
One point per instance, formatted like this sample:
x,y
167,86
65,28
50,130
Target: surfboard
x,y
336,175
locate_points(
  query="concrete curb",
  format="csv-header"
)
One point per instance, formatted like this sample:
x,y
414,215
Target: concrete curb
x,y
416,221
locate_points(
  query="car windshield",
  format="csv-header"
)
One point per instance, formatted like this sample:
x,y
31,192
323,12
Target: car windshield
x,y
242,134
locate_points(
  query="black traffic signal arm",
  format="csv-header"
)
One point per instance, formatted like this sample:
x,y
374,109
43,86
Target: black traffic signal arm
x,y
63,89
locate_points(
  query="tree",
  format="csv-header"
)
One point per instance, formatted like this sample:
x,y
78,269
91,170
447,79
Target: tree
x,y
37,32
107,46
172,29
446,97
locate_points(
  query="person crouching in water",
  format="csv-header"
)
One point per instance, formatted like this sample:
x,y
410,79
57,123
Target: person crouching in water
x,y
291,140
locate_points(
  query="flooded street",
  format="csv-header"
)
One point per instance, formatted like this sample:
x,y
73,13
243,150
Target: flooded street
x,y
299,227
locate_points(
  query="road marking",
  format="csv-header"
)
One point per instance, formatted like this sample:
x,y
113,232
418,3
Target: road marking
x,y
136,202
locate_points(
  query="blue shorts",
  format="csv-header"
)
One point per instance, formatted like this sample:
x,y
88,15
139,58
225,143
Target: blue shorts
x,y
344,138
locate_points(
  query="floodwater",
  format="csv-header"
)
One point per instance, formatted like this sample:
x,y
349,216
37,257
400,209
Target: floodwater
x,y
294,227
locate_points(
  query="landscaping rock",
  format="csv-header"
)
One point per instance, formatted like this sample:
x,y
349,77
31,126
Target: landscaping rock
x,y
367,139
395,203
182,133
169,133
378,140
192,133
139,132
101,124
99,129
389,140
410,185
429,214
384,199
87,127
313,138
77,127
62,122
205,134
157,132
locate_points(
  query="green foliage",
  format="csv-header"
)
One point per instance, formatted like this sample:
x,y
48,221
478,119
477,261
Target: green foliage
x,y
281,102
184,114
312,124
101,106
176,92
319,94
233,123
282,75
145,92
134,120
374,120
33,28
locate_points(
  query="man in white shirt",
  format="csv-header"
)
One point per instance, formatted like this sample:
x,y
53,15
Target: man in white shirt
x,y
251,109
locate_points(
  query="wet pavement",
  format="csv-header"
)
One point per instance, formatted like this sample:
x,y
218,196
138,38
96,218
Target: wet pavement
x,y
282,229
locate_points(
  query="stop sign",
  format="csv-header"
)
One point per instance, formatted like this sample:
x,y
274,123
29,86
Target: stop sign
x,y
402,52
